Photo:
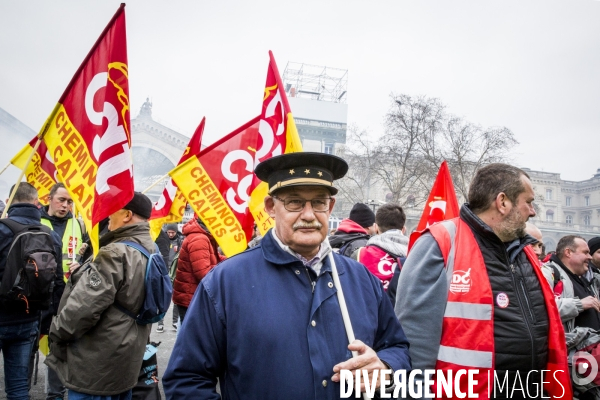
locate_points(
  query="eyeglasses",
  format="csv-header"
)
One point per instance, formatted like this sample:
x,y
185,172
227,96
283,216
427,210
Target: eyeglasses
x,y
296,204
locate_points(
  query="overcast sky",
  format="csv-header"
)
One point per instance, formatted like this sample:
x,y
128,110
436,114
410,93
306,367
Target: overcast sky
x,y
532,66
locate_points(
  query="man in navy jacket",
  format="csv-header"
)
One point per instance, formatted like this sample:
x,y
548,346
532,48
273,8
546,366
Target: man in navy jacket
x,y
267,322
19,328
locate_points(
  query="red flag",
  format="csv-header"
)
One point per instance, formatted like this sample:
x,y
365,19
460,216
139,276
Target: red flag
x,y
171,204
217,184
88,134
278,135
441,203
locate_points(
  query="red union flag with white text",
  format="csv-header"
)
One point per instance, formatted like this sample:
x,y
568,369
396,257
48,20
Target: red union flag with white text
x,y
216,185
221,185
278,135
88,134
441,203
171,204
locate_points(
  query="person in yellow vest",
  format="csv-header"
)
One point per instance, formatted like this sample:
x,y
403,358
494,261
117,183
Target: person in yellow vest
x,y
58,217
472,297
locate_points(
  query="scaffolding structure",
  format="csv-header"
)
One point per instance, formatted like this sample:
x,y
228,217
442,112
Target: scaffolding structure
x,y
315,82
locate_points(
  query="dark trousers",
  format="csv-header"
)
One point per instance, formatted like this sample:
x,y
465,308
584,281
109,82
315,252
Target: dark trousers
x,y
182,311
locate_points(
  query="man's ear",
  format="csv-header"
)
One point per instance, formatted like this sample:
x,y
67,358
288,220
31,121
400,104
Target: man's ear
x,y
128,217
404,230
270,206
502,203
331,204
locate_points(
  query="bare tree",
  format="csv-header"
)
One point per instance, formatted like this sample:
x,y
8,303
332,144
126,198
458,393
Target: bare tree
x,y
419,135
468,147
359,154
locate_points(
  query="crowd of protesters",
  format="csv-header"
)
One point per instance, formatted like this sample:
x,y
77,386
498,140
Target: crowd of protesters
x,y
474,292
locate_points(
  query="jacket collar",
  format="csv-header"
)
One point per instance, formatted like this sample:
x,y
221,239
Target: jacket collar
x,y
483,230
45,215
124,232
24,210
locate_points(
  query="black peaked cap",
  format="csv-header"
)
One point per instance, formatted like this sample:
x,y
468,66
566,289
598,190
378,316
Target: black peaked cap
x,y
301,169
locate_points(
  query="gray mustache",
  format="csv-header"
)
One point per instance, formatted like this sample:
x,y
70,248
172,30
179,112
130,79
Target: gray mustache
x,y
312,225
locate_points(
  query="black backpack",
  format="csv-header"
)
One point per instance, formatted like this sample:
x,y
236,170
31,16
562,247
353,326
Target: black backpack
x,y
30,271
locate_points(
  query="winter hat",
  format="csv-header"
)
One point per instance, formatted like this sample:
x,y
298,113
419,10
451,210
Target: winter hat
x,y
362,215
594,244
171,227
140,205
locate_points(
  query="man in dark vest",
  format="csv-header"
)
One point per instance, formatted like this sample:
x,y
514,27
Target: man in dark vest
x,y
471,295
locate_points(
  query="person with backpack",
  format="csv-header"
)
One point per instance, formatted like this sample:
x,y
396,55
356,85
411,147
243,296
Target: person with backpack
x,y
199,254
354,231
96,348
384,253
19,314
58,217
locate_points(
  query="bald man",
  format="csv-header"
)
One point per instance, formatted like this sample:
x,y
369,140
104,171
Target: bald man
x,y
535,232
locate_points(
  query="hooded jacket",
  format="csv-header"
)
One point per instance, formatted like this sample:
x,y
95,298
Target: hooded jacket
x,y
197,257
395,244
94,347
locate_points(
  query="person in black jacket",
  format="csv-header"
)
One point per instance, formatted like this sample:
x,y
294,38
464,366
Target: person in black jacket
x,y
19,330
490,247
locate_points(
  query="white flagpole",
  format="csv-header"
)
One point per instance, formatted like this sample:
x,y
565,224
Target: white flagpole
x,y
344,309
75,221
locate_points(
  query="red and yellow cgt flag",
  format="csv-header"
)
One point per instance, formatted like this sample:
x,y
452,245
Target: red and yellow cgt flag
x,y
220,184
171,204
40,172
278,135
88,134
216,185
441,203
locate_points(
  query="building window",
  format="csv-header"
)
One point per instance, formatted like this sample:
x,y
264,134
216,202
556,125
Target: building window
x,y
549,216
328,148
548,194
568,201
587,220
410,201
587,200
569,219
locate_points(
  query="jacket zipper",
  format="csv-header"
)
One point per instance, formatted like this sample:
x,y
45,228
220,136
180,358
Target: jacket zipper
x,y
527,300
533,350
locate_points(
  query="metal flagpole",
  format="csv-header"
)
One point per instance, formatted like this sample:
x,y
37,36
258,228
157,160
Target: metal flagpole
x,y
344,309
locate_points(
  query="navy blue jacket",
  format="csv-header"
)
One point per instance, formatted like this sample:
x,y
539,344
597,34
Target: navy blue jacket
x,y
27,214
255,324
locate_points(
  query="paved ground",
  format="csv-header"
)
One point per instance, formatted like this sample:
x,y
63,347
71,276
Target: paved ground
x,y
167,339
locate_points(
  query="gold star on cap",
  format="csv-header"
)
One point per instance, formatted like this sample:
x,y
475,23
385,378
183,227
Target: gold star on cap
x,y
292,172
307,171
320,173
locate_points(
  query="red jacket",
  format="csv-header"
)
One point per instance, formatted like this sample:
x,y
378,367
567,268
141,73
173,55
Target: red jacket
x,y
198,256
